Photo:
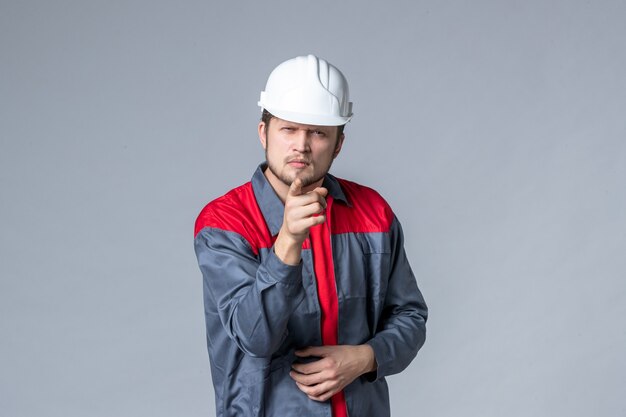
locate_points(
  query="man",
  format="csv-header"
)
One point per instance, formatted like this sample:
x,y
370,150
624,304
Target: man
x,y
309,298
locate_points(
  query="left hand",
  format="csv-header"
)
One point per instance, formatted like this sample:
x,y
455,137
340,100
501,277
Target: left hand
x,y
338,366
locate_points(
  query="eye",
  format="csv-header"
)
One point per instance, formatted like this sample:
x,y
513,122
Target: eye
x,y
319,133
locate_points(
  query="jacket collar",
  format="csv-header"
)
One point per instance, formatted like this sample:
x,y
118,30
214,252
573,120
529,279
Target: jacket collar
x,y
273,209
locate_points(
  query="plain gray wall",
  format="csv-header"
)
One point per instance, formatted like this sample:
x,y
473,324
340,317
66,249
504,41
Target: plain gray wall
x,y
496,130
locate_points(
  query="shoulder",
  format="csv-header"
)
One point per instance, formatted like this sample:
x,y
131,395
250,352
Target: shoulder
x,y
358,194
368,210
235,211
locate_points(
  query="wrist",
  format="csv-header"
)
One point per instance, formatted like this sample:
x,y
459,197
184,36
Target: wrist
x,y
369,359
288,248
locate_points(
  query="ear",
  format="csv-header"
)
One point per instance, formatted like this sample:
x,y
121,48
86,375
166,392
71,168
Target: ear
x,y
339,145
263,134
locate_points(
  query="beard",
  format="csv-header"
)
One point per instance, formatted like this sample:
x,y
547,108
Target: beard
x,y
307,179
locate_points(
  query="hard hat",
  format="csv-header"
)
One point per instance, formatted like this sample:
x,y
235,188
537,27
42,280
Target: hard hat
x,y
307,90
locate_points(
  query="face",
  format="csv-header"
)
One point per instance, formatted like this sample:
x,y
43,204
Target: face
x,y
297,150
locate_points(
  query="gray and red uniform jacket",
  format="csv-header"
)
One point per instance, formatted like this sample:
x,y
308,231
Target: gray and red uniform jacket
x,y
354,284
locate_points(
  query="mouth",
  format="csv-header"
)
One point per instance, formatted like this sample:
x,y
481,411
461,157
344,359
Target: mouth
x,y
298,163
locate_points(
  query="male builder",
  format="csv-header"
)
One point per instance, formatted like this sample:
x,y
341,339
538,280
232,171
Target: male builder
x,y
309,298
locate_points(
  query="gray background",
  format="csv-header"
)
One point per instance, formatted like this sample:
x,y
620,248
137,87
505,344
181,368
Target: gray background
x,y
495,129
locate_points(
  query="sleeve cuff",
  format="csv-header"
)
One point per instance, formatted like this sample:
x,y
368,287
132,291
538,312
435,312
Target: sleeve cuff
x,y
379,355
282,272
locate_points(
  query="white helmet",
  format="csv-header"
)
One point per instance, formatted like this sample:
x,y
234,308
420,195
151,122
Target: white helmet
x,y
307,90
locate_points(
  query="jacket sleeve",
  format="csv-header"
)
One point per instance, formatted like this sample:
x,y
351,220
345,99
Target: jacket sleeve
x,y
401,330
253,299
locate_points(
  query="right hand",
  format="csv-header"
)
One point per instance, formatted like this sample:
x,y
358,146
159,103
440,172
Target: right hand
x,y
303,211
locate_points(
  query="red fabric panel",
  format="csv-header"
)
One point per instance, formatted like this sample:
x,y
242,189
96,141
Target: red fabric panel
x,y
239,213
327,293
369,213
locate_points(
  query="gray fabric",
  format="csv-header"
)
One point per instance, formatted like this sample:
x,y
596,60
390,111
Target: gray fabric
x,y
259,310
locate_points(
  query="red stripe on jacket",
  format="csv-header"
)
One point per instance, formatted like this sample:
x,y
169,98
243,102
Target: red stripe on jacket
x,y
327,294
237,211
368,213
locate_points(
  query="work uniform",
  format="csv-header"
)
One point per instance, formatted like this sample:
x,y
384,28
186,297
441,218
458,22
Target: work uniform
x,y
354,283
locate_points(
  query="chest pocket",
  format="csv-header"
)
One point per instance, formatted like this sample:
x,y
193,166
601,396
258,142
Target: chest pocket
x,y
373,243
361,264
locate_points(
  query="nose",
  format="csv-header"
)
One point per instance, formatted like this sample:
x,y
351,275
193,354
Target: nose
x,y
301,141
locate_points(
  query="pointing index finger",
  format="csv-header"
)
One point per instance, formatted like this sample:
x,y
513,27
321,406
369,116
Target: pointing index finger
x,y
321,191
296,187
